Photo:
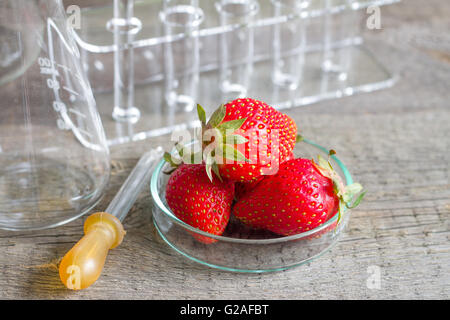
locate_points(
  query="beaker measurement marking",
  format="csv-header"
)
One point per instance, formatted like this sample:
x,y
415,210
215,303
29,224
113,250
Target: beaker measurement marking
x,y
65,122
48,65
45,62
49,71
70,91
59,106
85,132
78,113
53,84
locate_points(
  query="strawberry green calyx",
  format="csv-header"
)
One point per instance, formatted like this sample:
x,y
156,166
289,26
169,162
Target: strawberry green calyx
x,y
344,193
219,139
168,158
181,156
201,114
174,162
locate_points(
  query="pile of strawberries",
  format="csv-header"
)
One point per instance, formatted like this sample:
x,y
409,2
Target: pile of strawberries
x,y
247,168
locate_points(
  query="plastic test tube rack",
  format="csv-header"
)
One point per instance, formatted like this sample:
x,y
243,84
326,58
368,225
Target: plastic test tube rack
x,y
150,61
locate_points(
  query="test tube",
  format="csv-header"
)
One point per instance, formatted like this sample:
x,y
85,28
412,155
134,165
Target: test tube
x,y
289,42
236,47
181,20
124,27
339,26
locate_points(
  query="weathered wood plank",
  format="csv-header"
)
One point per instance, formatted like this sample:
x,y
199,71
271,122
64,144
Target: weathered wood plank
x,y
396,143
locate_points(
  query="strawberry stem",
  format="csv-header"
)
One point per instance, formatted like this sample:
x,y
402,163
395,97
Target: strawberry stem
x,y
344,193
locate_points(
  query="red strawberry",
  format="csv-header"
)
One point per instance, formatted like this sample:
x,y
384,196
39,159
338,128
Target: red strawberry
x,y
300,197
243,187
246,138
197,201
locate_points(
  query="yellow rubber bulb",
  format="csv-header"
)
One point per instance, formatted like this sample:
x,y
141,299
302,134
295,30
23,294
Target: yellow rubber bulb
x,y
83,264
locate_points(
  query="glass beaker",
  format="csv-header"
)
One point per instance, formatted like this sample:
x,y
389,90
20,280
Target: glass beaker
x,y
54,159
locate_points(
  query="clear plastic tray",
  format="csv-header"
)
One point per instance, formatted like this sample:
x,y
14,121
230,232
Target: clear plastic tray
x,y
97,47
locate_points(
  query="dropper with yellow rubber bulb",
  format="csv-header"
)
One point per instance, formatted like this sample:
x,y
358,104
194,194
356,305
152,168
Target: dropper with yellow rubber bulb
x,y
83,264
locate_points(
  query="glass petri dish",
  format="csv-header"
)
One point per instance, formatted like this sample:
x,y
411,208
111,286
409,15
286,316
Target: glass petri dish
x,y
242,249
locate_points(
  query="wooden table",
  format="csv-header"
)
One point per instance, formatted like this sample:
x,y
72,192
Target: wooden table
x,y
397,144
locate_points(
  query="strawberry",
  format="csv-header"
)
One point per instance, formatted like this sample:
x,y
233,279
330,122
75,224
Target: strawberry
x,y
299,197
197,201
243,187
245,139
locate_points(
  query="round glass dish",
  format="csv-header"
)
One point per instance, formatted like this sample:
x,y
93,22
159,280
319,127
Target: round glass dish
x,y
241,249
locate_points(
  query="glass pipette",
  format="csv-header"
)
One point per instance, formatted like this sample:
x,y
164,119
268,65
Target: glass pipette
x,y
83,264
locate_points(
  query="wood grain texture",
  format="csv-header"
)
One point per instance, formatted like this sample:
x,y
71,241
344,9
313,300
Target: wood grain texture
x,y
397,144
